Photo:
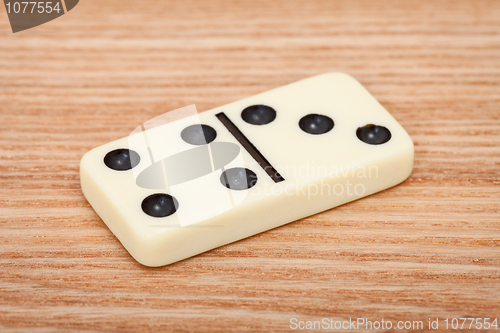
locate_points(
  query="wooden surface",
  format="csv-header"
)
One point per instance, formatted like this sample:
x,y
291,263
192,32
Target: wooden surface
x,y
425,249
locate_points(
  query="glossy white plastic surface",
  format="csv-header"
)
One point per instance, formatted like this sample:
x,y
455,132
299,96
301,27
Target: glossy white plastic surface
x,y
321,171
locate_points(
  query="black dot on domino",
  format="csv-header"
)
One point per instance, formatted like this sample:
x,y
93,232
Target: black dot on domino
x,y
159,205
258,114
238,179
198,134
121,159
316,124
373,134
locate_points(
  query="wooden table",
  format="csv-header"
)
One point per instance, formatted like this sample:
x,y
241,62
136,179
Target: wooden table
x,y
429,248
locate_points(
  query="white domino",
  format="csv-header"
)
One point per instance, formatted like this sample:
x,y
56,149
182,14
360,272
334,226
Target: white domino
x,y
172,191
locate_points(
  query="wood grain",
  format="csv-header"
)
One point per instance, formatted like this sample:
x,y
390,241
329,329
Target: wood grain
x,y
425,249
